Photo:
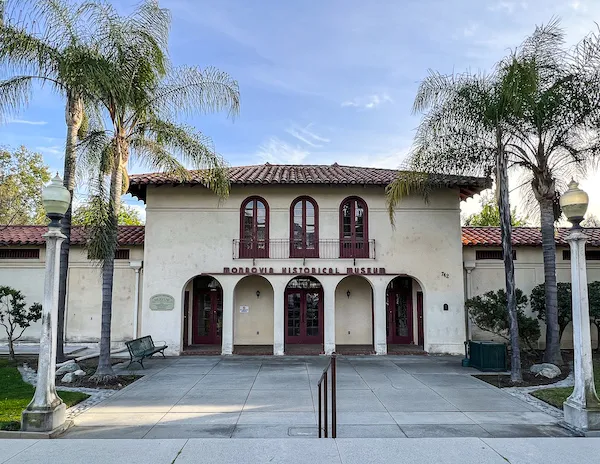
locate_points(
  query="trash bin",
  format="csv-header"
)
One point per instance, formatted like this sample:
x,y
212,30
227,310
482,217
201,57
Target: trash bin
x,y
487,356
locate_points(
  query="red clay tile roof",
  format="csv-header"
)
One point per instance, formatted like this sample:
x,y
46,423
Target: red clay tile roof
x,y
32,235
521,236
306,174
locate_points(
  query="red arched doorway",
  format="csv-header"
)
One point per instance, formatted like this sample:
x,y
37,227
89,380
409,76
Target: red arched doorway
x,y
207,311
399,305
304,311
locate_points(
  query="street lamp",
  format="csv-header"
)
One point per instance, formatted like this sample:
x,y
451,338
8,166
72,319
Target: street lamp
x,y
46,411
582,408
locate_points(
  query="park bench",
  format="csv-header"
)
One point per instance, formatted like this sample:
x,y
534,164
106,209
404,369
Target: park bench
x,y
141,348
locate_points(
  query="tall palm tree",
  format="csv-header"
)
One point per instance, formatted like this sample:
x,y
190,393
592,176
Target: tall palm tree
x,y
464,131
141,110
50,47
556,137
63,44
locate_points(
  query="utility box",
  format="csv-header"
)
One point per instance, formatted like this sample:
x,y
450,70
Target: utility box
x,y
487,356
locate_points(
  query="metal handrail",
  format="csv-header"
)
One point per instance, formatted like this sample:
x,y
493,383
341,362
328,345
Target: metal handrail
x,y
323,426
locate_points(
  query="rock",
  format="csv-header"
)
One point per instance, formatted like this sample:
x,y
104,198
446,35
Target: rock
x,y
69,378
547,370
66,368
79,373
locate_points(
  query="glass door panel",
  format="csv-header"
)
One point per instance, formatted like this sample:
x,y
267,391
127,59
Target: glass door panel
x,y
294,319
312,314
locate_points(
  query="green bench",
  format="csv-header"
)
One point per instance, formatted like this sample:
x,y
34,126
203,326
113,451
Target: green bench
x,y
141,348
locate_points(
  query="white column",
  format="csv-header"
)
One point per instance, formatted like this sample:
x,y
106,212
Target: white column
x,y
227,332
582,408
469,266
380,318
46,411
278,320
136,266
329,322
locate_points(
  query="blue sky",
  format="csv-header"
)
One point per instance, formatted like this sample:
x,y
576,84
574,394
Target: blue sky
x,y
324,81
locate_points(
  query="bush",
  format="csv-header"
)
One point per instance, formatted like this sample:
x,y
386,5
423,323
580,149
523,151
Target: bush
x,y
15,317
488,312
565,312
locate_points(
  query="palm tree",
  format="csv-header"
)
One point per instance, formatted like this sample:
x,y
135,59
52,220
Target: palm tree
x,y
555,138
55,56
464,131
141,112
61,44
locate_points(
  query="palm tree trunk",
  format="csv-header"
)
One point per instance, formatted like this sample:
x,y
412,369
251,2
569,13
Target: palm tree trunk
x,y
105,373
516,375
74,119
552,353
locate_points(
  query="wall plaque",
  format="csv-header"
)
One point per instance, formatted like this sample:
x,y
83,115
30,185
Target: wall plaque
x,y
162,302
244,309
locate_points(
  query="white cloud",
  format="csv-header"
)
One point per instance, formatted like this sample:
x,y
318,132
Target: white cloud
x,y
508,7
26,121
276,151
57,150
470,30
306,136
368,102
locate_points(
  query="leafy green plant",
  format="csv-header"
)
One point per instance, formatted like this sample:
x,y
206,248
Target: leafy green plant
x,y
538,304
15,317
488,312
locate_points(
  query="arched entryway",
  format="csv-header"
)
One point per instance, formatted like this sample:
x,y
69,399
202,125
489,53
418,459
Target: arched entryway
x,y
304,312
203,312
404,309
354,315
253,300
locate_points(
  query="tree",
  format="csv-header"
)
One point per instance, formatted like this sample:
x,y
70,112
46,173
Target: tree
x,y
15,317
565,311
141,110
488,312
56,44
594,302
22,176
490,215
128,216
464,131
555,136
591,221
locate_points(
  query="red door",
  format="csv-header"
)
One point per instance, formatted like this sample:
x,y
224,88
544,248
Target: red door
x,y
186,310
208,317
304,316
399,320
354,242
421,340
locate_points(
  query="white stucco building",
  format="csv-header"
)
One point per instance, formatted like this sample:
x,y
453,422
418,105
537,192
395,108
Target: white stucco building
x,y
298,259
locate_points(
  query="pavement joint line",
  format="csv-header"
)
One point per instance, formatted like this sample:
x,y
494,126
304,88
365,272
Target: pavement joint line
x,y
24,449
246,400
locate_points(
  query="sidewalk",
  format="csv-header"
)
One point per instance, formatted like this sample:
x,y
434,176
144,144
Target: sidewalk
x,y
305,451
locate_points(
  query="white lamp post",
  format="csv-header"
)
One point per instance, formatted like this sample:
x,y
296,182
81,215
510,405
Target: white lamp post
x,y
582,408
46,411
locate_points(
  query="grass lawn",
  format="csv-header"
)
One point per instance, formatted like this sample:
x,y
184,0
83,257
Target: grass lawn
x,y
15,395
557,396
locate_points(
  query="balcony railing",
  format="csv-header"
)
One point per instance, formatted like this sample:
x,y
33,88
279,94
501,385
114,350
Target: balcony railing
x,y
290,249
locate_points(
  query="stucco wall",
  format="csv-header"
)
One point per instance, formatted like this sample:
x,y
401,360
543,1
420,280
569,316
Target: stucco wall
x,y
529,272
189,232
354,314
83,314
256,326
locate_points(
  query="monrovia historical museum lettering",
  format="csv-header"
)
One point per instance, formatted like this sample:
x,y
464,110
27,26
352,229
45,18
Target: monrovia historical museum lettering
x,y
305,270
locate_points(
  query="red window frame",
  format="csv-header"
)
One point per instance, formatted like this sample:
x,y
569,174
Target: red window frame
x,y
352,247
252,247
303,251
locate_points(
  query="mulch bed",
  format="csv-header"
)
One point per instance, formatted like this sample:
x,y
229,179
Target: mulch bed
x,y
529,379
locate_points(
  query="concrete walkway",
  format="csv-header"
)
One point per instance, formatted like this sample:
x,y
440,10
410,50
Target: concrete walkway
x,y
305,451
272,397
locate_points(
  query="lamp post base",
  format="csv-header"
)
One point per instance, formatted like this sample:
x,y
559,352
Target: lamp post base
x,y
580,417
43,420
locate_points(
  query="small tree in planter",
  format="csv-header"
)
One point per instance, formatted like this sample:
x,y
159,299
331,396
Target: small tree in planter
x,y
594,301
488,312
565,312
15,317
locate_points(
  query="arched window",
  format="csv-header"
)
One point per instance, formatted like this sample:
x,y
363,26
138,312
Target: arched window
x,y
354,228
254,234
304,228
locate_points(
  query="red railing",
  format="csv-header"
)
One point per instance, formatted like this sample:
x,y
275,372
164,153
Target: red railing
x,y
323,395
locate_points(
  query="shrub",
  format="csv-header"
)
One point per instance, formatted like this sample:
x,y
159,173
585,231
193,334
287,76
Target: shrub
x,y
15,317
538,304
488,312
